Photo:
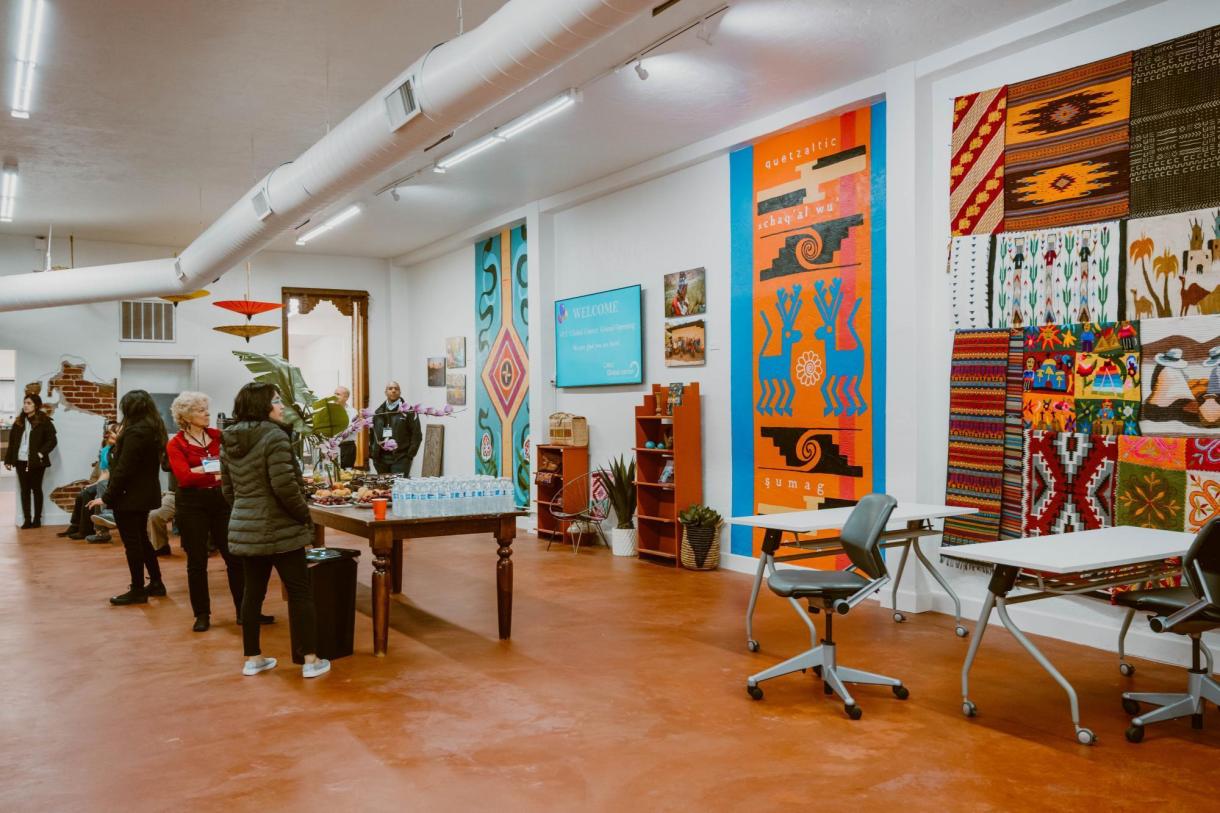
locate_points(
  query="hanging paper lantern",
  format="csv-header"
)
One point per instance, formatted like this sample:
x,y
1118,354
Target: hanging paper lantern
x,y
177,298
247,307
245,331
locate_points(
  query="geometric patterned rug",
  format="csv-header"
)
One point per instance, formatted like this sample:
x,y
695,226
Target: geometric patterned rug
x,y
1069,482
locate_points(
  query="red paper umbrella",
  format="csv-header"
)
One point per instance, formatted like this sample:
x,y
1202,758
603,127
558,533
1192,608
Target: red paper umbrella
x,y
247,307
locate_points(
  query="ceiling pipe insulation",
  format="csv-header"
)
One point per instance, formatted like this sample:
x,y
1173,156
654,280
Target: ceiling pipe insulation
x,y
447,87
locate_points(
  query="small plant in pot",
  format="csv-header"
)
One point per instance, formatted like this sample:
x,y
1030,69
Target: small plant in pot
x,y
700,537
620,485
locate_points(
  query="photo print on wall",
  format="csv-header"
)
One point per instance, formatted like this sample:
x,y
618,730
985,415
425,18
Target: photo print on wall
x,y
455,352
455,389
685,293
685,343
436,371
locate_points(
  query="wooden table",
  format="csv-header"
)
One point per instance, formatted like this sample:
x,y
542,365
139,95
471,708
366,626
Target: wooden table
x,y
385,539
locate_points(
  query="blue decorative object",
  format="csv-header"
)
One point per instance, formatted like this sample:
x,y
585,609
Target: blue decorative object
x,y
650,445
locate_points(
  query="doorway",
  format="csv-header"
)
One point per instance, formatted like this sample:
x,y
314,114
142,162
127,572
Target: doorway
x,y
326,335
163,377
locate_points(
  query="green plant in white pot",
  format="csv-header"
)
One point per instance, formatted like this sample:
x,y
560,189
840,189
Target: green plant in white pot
x,y
620,485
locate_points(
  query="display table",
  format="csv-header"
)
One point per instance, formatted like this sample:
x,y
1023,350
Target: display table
x,y
385,539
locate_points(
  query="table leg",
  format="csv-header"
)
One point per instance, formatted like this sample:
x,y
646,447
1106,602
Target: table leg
x,y
396,567
751,644
504,575
961,631
382,545
319,535
902,565
968,707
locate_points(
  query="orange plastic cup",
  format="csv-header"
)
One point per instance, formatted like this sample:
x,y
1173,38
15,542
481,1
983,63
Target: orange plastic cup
x,y
379,504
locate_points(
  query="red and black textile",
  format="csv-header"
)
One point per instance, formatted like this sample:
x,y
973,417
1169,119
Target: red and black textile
x,y
1069,482
1012,509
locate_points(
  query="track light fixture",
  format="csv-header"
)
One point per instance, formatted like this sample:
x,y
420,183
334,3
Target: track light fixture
x,y
640,70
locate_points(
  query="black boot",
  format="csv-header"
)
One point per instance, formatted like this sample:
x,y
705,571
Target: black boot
x,y
155,588
132,596
202,623
25,526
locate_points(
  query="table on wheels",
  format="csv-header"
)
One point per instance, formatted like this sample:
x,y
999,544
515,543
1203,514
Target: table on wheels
x,y
385,539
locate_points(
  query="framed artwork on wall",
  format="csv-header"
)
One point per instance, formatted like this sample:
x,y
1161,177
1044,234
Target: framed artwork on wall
x,y
686,293
436,371
455,390
455,352
685,343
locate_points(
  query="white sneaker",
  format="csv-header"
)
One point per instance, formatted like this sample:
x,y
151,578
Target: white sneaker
x,y
255,668
319,667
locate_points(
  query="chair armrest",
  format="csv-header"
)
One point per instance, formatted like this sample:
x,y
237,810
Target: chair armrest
x,y
844,604
1161,623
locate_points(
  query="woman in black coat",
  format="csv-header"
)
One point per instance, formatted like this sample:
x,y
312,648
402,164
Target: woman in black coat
x,y
135,490
29,451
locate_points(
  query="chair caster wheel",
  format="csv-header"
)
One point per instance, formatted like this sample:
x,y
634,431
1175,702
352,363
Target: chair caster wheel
x,y
1135,733
752,645
960,631
899,618
969,709
901,692
1085,737
1131,707
1126,669
853,711
755,692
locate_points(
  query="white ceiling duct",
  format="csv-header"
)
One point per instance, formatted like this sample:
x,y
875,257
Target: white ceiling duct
x,y
447,87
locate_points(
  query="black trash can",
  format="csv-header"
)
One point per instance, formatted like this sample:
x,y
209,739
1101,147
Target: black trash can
x,y
332,572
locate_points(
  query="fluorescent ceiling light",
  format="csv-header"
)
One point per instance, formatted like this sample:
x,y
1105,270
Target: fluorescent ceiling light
x,y
27,56
8,193
470,152
339,219
541,114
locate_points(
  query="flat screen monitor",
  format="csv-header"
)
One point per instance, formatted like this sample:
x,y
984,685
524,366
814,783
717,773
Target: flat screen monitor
x,y
599,339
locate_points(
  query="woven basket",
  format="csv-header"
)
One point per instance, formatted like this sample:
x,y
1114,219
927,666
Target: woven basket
x,y
700,548
568,430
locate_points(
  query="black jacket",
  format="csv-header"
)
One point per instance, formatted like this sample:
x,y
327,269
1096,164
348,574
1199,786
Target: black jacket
x,y
405,431
42,442
260,479
135,470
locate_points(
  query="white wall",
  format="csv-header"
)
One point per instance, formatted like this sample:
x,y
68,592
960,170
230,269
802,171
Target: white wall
x,y
91,332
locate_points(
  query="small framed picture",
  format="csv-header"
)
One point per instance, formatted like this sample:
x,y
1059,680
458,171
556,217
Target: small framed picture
x,y
685,343
436,371
455,352
686,293
455,389
667,472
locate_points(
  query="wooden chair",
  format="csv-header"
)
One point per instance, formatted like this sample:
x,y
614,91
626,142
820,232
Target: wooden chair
x,y
590,492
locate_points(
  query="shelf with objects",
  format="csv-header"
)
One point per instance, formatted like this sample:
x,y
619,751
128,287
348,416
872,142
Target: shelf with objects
x,y
669,466
559,465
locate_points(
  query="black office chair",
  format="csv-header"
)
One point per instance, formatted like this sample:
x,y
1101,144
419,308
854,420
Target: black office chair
x,y
1191,610
837,592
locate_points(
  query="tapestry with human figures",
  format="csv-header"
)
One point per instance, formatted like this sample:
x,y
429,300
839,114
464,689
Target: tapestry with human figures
x,y
1180,376
1057,276
1068,483
1066,146
1173,264
976,175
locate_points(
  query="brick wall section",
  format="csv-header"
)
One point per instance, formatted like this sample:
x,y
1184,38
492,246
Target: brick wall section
x,y
87,396
65,496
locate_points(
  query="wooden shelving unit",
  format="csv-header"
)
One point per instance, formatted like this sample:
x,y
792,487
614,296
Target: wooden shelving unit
x,y
658,504
573,463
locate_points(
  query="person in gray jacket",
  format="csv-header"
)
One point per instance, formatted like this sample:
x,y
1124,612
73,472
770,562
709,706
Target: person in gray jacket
x,y
270,525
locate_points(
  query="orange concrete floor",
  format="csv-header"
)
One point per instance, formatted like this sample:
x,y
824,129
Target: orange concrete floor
x,y
622,689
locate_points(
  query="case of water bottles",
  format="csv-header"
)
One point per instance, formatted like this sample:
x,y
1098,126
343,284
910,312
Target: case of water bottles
x,y
451,496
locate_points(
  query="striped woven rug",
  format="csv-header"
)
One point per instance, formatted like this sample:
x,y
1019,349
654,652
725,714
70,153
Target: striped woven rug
x,y
1011,510
977,395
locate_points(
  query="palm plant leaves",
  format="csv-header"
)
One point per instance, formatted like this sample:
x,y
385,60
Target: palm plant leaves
x,y
303,411
620,485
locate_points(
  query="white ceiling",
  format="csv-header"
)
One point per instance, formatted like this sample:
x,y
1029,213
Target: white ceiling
x,y
150,118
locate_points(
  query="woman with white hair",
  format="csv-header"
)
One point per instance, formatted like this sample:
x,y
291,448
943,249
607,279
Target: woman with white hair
x,y
202,512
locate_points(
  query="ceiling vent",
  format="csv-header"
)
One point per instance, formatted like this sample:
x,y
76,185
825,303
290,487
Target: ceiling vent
x,y
262,206
148,321
400,105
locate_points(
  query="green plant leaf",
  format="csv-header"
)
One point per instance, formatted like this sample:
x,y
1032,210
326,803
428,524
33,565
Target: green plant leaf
x,y
275,370
328,418
620,484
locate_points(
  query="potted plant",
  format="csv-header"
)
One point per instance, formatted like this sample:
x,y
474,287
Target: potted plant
x,y
700,537
620,484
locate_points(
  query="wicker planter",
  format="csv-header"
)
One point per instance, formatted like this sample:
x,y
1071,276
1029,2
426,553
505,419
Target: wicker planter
x,y
700,548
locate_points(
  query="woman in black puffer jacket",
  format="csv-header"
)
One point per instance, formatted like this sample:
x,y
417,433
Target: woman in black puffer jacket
x,y
270,525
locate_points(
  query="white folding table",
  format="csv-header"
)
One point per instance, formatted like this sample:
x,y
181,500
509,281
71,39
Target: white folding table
x,y
1064,565
915,517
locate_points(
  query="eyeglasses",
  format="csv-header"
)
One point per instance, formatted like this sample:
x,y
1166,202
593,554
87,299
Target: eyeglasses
x,y
277,400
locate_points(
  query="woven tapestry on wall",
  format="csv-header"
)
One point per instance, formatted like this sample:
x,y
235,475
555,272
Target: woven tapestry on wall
x,y
1066,150
969,277
977,393
1151,482
1011,510
1173,264
976,175
1180,376
1202,481
1068,482
1175,125
1057,276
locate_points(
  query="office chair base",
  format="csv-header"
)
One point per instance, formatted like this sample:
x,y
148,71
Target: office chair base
x,y
1200,687
821,659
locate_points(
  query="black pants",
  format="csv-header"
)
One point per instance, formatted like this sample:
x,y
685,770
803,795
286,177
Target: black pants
x,y
29,480
203,514
133,527
79,511
302,618
401,465
347,454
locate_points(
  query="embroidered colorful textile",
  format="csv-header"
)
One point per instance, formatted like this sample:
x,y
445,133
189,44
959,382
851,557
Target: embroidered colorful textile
x,y
1057,276
969,278
1159,453
1012,509
1066,152
1180,376
1152,482
976,177
977,392
1173,264
1175,124
1069,482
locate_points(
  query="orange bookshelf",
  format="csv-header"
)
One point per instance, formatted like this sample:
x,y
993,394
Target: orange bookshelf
x,y
658,504
570,462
